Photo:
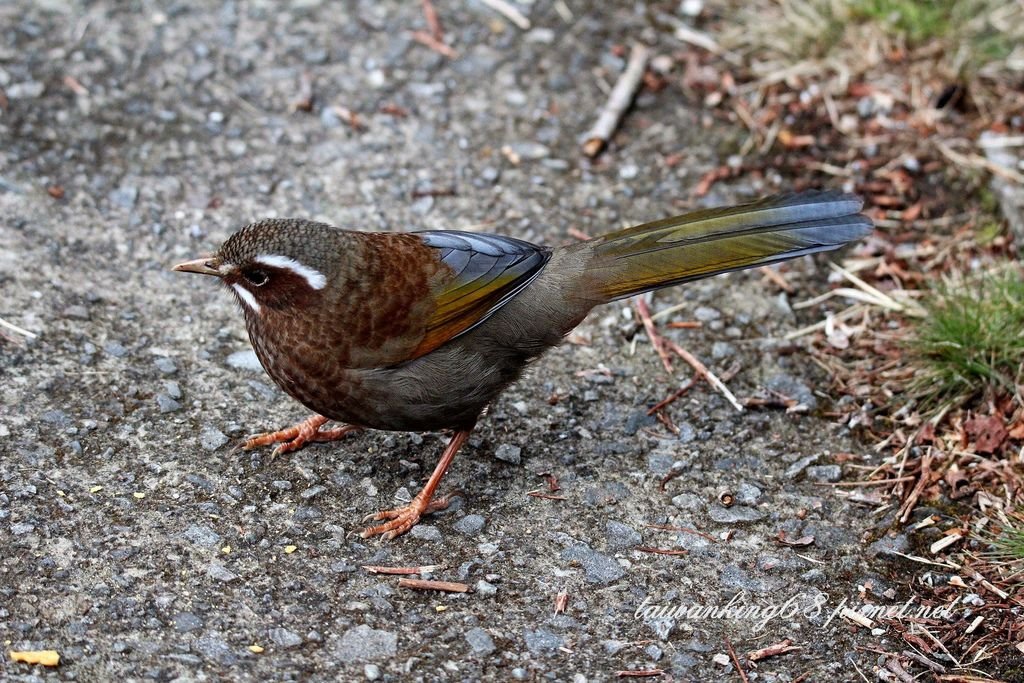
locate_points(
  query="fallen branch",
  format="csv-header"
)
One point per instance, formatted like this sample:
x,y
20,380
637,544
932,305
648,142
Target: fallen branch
x,y
433,23
17,330
672,398
426,569
618,102
509,12
657,341
702,370
427,585
683,529
736,661
660,551
424,38
915,493
773,650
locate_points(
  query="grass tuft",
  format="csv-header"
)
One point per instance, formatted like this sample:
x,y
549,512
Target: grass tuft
x,y
972,339
1008,544
919,21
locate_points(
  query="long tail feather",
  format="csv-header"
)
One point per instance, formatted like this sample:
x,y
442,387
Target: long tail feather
x,y
713,241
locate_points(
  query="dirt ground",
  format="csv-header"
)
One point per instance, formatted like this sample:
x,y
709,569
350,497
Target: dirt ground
x,y
140,545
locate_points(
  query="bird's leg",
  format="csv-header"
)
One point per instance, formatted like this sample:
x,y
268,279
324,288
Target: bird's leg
x,y
406,517
297,436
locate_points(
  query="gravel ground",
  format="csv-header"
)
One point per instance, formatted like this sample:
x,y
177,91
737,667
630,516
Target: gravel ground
x,y
140,545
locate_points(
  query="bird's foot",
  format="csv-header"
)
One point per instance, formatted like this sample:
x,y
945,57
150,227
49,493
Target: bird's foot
x,y
297,436
404,518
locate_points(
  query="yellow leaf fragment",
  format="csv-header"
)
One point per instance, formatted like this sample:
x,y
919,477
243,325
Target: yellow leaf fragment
x,y
43,657
289,549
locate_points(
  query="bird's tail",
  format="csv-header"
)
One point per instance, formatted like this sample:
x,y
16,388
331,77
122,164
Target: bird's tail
x,y
713,241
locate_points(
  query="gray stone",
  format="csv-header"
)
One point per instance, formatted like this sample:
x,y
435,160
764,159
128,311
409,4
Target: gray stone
x,y
888,546
165,365
470,525
211,438
202,535
825,473
748,494
509,453
124,196
77,312
540,641
244,360
530,151
480,641
794,470
25,91
284,638
736,514
721,349
172,388
214,648
219,572
794,388
688,501
486,588
597,567
733,576
621,536
706,314
186,621
426,532
115,349
363,643
166,404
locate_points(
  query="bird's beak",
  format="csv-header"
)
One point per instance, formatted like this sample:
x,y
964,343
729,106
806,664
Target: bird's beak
x,y
209,265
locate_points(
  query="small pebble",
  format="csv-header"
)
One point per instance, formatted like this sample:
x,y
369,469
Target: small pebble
x,y
480,641
510,453
470,525
211,438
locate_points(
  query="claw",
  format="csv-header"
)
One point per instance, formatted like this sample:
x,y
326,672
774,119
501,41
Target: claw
x,y
402,519
297,436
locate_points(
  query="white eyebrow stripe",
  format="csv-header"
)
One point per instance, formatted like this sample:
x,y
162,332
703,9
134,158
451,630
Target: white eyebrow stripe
x,y
313,277
247,297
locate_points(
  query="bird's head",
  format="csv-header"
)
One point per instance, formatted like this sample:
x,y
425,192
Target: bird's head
x,y
280,265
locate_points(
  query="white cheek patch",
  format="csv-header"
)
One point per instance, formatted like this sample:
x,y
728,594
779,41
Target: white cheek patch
x,y
246,296
313,277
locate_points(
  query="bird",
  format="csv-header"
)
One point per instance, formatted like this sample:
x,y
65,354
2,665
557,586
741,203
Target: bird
x,y
422,331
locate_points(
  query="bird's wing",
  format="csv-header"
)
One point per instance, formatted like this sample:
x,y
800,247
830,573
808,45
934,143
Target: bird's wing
x,y
486,272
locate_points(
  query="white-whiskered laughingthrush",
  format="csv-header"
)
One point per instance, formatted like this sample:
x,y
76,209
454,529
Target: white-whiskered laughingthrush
x,y
421,331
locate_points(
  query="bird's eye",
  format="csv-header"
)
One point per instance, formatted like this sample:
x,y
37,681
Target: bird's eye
x,y
255,276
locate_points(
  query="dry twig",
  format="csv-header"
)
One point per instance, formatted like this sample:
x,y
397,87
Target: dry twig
x,y
618,102
705,373
509,12
657,341
773,650
425,569
736,661
428,585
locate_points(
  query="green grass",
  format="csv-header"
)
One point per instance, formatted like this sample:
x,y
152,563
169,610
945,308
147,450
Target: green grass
x,y
975,34
919,20
1008,544
972,339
